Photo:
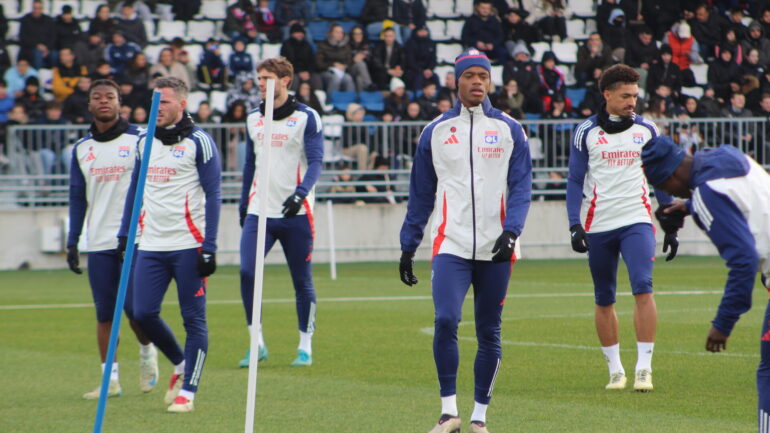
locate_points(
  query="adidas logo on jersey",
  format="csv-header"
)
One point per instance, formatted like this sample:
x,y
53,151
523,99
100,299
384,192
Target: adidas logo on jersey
x,y
90,157
601,140
452,140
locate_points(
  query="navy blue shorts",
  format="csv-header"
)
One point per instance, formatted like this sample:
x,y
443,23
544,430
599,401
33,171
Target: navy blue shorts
x,y
104,276
636,243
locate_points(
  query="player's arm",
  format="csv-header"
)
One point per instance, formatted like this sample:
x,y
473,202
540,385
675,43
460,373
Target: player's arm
x,y
519,182
727,228
210,175
578,167
128,208
78,201
248,177
314,152
422,194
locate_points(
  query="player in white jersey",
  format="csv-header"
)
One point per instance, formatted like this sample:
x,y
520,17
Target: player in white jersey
x,y
179,221
606,177
100,174
729,198
295,164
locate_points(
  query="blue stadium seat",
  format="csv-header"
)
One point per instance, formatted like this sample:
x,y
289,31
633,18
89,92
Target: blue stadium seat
x,y
372,101
576,96
340,100
318,29
347,25
353,7
328,9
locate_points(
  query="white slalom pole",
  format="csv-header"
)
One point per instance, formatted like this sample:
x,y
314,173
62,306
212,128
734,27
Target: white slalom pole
x,y
332,252
263,183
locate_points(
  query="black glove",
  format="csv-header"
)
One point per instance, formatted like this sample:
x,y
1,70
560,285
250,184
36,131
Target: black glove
x,y
122,240
670,240
293,204
207,263
405,269
670,222
579,238
242,215
503,249
73,259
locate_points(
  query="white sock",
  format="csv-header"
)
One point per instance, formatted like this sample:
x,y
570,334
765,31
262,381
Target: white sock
x,y
612,355
306,342
187,394
114,372
145,349
644,361
179,368
449,405
479,412
260,338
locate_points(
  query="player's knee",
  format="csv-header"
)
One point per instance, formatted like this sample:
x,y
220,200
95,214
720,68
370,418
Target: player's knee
x,y
641,286
142,315
447,322
488,333
604,299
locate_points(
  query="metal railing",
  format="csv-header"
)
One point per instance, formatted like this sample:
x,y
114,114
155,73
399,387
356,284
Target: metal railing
x,y
34,163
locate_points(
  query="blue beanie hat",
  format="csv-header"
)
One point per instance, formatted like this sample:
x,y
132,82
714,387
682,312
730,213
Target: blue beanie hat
x,y
471,57
660,158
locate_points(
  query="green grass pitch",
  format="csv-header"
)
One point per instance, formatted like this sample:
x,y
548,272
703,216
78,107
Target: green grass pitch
x,y
373,366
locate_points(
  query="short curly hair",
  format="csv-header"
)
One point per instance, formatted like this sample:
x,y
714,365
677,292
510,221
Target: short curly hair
x,y
617,75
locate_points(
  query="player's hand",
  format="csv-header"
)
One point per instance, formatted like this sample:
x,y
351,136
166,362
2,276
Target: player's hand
x,y
207,263
503,249
670,240
671,216
122,241
242,216
578,238
73,259
716,341
293,204
405,269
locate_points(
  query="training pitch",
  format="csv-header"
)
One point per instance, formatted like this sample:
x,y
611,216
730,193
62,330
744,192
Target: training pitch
x,y
373,365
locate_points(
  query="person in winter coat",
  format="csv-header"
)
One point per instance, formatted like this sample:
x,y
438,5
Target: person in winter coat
x,y
524,71
551,81
333,57
707,27
67,29
516,29
299,52
66,75
756,39
420,59
131,26
484,32
615,33
722,73
90,51
241,20
642,50
240,61
664,71
120,52
410,15
75,107
103,23
387,60
359,66
211,69
37,37
291,12
167,67
594,54
684,47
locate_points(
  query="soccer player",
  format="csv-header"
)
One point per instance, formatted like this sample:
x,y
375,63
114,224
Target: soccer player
x,y
295,164
472,165
179,222
729,198
605,170
100,174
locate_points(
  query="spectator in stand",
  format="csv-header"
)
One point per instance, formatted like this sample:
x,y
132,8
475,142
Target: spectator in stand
x,y
663,71
731,43
299,53
373,15
185,10
615,34
268,28
120,52
641,52
557,138
708,27
139,115
397,100
291,12
550,16
444,105
751,65
551,81
384,191
521,69
409,136
516,29
240,61
410,15
183,58
333,57
54,141
593,99
34,104
708,102
510,99
37,37
16,78
764,129
306,95
661,15
167,67
143,11
6,103
235,145
345,176
66,75
591,55
388,60
484,32
102,71
684,47
138,72
449,90
103,23
656,111
67,30
764,20
428,100
664,92
692,108
359,68
245,91
241,21
130,25
131,96
420,59
737,133
356,139
735,20
75,107
722,72
604,10
204,114
90,51
755,39
125,112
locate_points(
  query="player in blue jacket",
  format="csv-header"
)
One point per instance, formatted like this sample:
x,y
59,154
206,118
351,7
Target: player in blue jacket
x,y
472,165
728,196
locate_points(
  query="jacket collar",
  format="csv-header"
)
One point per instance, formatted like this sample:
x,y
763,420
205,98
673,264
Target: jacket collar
x,y
462,111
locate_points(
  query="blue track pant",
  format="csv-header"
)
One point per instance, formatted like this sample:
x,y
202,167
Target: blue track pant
x,y
152,275
763,375
296,237
104,277
451,278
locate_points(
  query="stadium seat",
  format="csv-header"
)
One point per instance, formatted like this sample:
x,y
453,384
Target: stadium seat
x,y
535,148
168,30
84,25
11,9
353,8
576,95
590,26
540,48
437,30
153,52
701,73
149,30
576,29
200,31
332,125
318,29
340,100
88,7
566,52
347,25
321,95
463,8
213,10
441,8
255,50
441,72
446,53
328,9
532,116
194,100
218,101
45,76
583,8
569,74
497,75
13,52
372,101
270,51
454,29
194,52
695,91
13,30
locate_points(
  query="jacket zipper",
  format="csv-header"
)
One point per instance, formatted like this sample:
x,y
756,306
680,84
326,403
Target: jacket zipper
x,y
473,192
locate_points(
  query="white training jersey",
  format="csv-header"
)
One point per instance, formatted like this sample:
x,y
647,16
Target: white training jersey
x,y
615,191
104,169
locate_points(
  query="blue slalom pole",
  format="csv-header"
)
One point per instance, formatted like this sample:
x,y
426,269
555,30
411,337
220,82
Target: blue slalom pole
x,y
127,262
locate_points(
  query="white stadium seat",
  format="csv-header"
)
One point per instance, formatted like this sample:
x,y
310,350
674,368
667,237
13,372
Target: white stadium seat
x,y
194,52
566,52
45,76
701,73
88,7
497,75
270,51
441,72
168,30
583,8
194,100
437,30
10,8
213,10
218,101
464,7
201,31
446,53
441,8
13,30
540,49
695,91
255,51
590,27
576,29
225,49
454,29
149,30
153,52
